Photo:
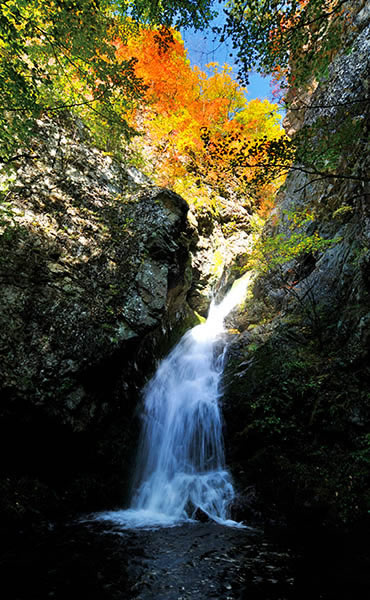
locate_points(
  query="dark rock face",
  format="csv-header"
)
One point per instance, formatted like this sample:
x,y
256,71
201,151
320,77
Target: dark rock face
x,y
200,515
297,402
94,274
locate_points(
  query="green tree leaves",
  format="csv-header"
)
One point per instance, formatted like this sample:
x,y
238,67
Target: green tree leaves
x,y
176,13
57,55
292,39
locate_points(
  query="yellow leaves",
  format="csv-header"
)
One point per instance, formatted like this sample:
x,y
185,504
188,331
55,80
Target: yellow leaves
x,y
198,126
261,119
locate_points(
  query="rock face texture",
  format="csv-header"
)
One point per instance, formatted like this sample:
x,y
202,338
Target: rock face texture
x,y
297,383
94,272
223,237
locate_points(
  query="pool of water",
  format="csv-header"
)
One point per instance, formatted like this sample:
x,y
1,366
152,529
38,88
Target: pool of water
x,y
93,560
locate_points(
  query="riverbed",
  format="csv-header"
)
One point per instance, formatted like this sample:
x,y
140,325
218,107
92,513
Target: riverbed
x,y
91,560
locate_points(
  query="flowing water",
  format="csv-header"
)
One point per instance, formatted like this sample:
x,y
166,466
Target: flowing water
x,y
181,466
133,554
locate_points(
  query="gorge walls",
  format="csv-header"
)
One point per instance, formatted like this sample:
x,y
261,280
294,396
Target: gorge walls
x,y
297,389
94,274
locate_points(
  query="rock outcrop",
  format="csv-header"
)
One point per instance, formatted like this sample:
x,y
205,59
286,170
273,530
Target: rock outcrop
x,y
223,237
94,271
297,381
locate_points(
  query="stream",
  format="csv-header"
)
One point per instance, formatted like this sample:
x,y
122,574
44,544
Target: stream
x,y
92,560
177,539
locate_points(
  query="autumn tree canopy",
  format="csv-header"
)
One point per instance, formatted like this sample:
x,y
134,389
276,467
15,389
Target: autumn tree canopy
x,y
195,126
100,61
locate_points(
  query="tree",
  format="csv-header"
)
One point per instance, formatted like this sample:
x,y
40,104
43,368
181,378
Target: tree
x,y
291,39
57,55
61,54
295,41
170,13
195,126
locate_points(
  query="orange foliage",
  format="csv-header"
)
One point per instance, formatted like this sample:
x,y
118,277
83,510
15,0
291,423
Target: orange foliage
x,y
182,102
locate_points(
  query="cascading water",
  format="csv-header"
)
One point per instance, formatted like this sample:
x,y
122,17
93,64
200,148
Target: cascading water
x,y
181,466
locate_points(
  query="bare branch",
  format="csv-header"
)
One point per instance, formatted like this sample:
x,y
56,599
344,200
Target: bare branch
x,y
6,161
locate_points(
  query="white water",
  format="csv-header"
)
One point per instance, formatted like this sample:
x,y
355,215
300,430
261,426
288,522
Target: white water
x,y
181,465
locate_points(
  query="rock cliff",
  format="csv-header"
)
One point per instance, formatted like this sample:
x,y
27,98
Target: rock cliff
x,y
297,382
94,273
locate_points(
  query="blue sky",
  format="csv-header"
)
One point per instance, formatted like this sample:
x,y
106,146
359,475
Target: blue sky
x,y
203,48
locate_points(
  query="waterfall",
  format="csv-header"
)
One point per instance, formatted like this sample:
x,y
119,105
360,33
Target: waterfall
x,y
181,465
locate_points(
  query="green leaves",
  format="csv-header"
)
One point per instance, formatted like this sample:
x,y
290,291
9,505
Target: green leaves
x,y
57,55
271,252
273,36
176,13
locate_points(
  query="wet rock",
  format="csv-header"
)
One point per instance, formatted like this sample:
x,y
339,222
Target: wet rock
x,y
219,248
201,516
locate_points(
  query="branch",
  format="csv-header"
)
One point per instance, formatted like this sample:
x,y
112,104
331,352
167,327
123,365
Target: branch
x,y
321,17
338,105
302,169
5,161
307,184
326,175
60,107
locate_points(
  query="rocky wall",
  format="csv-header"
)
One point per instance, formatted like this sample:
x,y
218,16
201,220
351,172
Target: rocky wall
x,y
94,272
297,381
